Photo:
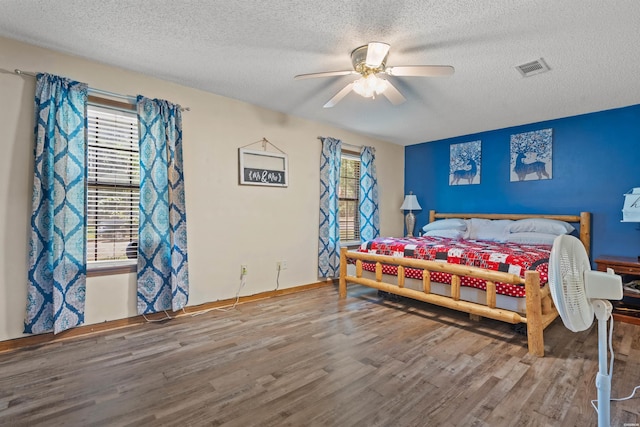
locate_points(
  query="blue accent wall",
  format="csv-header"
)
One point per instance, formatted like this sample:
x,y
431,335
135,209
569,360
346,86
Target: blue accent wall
x,y
596,159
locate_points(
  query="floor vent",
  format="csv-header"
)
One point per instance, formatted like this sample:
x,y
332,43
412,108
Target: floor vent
x,y
532,68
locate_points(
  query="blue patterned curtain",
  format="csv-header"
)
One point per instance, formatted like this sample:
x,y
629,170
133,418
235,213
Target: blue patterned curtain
x,y
57,261
329,242
368,208
163,278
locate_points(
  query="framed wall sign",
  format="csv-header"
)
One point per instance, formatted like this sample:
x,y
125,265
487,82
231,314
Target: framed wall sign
x,y
263,168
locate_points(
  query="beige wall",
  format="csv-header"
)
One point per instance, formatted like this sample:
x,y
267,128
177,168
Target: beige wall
x,y
228,224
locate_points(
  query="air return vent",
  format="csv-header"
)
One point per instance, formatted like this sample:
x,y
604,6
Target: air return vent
x,y
534,67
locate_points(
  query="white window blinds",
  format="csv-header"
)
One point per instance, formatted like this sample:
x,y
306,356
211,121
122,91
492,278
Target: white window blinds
x,y
349,198
113,184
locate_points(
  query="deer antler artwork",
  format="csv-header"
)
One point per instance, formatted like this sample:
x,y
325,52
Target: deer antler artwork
x,y
531,155
464,163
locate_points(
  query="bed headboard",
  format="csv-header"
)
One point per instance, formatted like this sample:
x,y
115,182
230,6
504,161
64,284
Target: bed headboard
x,y
584,221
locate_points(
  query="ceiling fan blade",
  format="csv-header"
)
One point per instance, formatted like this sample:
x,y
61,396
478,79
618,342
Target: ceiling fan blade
x,y
376,52
420,71
324,74
338,96
393,94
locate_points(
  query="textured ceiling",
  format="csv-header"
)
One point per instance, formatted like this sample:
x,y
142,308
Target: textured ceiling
x,y
250,50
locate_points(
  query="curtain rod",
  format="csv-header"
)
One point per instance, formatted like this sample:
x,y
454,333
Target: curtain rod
x,y
351,146
130,99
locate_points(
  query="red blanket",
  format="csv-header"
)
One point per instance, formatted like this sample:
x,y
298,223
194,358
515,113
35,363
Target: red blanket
x,y
514,258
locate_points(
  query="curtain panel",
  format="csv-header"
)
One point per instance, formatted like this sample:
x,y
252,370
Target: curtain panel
x,y
368,207
57,244
329,240
163,277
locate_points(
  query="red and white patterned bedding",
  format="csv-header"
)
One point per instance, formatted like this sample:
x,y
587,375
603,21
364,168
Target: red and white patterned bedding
x,y
514,258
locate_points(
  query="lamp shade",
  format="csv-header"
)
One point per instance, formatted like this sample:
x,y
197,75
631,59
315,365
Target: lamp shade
x,y
410,203
631,207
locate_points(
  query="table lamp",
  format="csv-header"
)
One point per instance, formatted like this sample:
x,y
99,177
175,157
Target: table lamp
x,y
410,203
631,207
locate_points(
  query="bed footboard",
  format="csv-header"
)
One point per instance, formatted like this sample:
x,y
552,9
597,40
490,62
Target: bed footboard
x,y
539,306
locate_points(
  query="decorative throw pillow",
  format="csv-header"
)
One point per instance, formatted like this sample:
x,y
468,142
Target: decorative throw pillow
x,y
446,224
449,234
531,238
486,229
541,225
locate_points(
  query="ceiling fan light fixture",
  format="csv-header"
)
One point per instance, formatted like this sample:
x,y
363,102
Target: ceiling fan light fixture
x,y
369,86
361,87
381,85
370,61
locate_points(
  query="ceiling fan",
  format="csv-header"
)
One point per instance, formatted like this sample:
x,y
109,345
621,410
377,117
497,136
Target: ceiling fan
x,y
369,61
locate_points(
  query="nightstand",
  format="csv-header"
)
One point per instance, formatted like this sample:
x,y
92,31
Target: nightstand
x,y
629,269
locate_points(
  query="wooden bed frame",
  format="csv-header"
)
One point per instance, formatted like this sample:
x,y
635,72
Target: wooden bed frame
x,y
540,311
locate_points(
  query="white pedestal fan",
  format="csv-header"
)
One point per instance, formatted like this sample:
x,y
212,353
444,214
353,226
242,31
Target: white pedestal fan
x,y
579,293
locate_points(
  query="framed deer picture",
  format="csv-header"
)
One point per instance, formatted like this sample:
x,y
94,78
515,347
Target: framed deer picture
x,y
531,156
465,162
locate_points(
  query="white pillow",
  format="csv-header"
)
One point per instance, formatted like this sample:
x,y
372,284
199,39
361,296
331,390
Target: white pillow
x,y
449,234
531,238
446,224
541,225
486,229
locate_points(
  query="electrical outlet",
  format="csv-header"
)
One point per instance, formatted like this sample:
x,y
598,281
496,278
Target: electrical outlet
x,y
281,265
243,270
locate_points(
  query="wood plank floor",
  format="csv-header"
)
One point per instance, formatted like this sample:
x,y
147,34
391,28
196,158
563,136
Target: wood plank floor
x,y
308,359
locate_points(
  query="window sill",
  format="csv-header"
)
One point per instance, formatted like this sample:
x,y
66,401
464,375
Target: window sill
x,y
350,244
111,267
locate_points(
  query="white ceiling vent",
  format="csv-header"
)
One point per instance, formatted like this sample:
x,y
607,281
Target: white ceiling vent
x,y
532,68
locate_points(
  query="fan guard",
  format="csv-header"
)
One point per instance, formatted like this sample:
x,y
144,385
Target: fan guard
x,y
570,264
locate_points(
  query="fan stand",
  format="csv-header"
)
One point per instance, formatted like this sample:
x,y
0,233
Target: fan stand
x,y
603,310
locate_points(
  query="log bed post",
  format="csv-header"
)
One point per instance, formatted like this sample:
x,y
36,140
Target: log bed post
x,y
342,287
455,287
491,294
535,327
359,268
401,276
585,230
426,281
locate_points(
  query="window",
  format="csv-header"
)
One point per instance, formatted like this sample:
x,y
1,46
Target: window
x,y
349,197
113,183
